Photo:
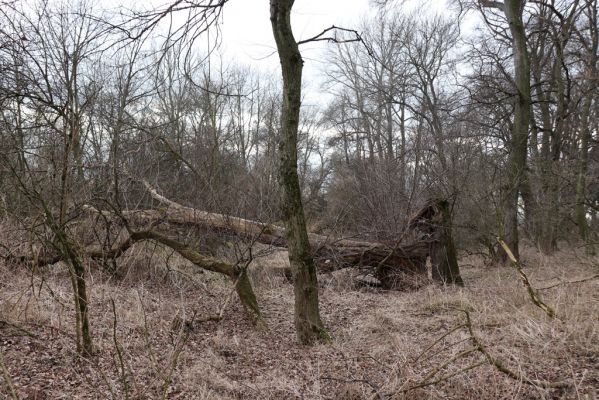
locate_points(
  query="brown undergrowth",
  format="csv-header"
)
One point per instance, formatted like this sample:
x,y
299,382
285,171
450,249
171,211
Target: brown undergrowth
x,y
159,340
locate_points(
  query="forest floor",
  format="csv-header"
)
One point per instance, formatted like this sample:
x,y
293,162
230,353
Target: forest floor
x,y
384,344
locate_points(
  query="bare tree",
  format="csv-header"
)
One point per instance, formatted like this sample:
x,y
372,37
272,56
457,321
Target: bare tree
x,y
308,324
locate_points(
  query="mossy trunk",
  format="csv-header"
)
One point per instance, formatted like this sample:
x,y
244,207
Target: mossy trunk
x,y
238,275
87,347
308,324
70,254
248,300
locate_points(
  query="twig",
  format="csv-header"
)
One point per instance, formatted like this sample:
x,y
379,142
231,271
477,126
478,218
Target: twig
x,y
119,352
438,340
531,291
333,39
23,330
7,379
443,378
183,337
146,335
439,368
374,387
570,282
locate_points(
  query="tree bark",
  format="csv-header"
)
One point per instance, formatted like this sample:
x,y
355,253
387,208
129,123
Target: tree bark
x,y
444,259
72,257
238,274
308,324
434,221
582,167
516,165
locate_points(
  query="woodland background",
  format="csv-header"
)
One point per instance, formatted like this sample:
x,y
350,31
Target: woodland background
x,y
143,182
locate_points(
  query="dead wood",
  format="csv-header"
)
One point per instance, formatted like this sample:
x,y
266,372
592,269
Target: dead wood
x,y
397,266
390,263
532,293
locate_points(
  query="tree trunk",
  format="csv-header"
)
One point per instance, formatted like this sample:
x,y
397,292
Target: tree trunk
x,y
434,221
71,256
580,206
516,165
308,325
391,263
586,135
444,259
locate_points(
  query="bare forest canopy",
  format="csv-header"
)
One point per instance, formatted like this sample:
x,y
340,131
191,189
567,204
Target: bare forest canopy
x,y
120,127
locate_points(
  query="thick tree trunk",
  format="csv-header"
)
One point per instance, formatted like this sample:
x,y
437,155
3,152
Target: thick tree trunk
x,y
434,221
394,266
308,324
444,259
519,137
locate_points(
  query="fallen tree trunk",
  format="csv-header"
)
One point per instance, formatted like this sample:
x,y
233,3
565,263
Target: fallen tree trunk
x,y
391,265
395,267
93,251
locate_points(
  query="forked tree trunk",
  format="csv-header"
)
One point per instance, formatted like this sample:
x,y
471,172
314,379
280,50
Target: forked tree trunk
x,y
308,324
85,347
71,256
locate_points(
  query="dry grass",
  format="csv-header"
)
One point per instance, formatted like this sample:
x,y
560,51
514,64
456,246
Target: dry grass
x,y
380,347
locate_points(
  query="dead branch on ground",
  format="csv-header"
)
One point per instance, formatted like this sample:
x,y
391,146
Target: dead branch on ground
x,y
583,280
531,291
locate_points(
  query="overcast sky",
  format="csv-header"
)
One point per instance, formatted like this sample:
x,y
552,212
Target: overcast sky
x,y
247,36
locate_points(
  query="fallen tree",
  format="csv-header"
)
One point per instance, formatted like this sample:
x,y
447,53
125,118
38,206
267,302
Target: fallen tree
x,y
397,266
394,266
390,264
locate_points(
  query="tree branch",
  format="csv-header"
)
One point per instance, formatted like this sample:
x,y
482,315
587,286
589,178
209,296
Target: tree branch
x,y
492,4
531,291
334,39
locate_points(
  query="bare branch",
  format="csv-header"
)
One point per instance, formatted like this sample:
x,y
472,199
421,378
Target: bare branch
x,y
531,291
492,4
333,39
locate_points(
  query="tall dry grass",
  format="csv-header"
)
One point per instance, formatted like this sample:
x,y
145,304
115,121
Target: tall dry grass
x,y
384,342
